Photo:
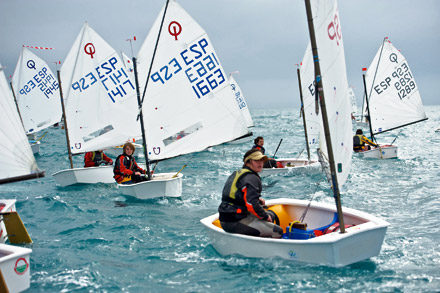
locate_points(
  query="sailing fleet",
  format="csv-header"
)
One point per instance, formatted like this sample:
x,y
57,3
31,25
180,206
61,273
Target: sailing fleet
x,y
175,98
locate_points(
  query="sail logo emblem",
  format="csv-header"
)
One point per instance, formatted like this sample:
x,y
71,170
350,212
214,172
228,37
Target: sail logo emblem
x,y
334,30
21,266
31,64
78,145
292,254
158,150
174,29
393,57
89,49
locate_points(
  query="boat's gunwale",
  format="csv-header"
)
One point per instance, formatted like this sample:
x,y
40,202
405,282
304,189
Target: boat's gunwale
x,y
328,238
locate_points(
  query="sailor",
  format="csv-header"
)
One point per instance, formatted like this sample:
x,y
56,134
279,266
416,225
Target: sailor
x,y
126,169
270,163
258,144
359,141
96,158
241,210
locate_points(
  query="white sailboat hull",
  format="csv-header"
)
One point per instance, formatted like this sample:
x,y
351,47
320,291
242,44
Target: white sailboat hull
x,y
35,146
291,165
6,206
360,242
15,267
162,184
382,152
90,175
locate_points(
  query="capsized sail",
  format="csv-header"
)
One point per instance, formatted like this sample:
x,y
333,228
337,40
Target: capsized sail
x,y
188,105
335,86
100,97
393,96
37,92
16,157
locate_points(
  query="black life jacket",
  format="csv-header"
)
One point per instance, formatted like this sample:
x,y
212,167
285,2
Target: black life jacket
x,y
97,157
260,148
231,193
357,141
128,163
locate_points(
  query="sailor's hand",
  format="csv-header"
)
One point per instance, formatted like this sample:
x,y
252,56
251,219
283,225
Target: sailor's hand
x,y
137,173
269,219
262,201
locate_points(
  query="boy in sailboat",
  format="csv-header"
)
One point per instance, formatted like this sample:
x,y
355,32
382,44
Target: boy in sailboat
x,y
96,158
241,210
270,163
360,141
126,169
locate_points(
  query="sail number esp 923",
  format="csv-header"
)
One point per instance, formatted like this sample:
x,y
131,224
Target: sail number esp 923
x,y
201,67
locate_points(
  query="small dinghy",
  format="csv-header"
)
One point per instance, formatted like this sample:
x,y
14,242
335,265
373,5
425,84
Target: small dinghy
x,y
317,233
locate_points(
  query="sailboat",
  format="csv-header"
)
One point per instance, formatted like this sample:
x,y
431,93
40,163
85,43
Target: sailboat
x,y
186,84
311,122
35,90
18,163
393,99
361,235
99,105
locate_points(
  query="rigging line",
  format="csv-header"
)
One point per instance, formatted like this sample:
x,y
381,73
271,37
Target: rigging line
x,y
375,73
300,153
396,137
301,219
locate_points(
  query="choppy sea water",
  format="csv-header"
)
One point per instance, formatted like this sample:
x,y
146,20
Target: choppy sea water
x,y
90,238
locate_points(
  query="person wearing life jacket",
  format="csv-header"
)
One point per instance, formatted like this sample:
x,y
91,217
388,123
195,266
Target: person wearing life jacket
x,y
96,158
271,163
126,169
359,141
241,210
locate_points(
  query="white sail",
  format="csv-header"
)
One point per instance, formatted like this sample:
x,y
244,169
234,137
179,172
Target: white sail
x,y
188,105
335,86
128,62
313,118
16,157
393,96
241,102
37,92
353,101
100,97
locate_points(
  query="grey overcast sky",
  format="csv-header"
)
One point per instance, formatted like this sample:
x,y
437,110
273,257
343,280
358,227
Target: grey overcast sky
x,y
262,39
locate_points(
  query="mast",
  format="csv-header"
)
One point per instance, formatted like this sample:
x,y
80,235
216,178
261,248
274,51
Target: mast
x,y
16,104
69,151
318,81
141,117
302,113
141,102
371,89
368,108
154,52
